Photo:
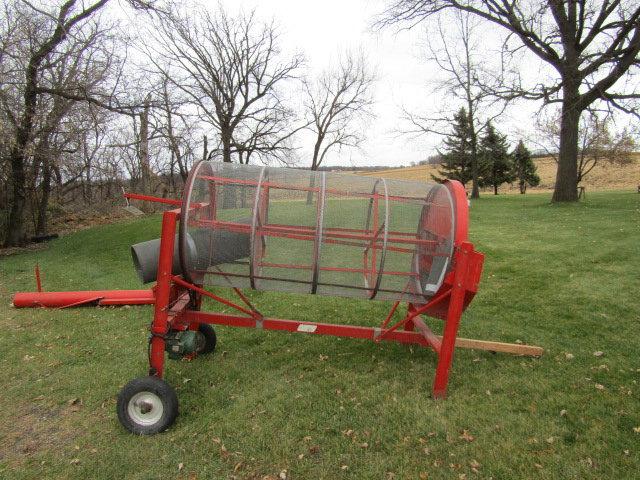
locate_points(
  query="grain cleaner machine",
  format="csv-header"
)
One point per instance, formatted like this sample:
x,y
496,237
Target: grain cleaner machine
x,y
299,231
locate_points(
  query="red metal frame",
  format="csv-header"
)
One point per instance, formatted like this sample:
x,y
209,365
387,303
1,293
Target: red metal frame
x,y
176,310
177,302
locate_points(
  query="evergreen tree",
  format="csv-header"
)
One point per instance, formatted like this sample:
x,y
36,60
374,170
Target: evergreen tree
x,y
524,169
496,162
456,157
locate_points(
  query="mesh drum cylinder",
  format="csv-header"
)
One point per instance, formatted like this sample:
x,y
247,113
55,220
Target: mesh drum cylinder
x,y
328,233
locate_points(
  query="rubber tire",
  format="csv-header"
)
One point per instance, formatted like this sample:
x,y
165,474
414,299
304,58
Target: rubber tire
x,y
209,338
159,387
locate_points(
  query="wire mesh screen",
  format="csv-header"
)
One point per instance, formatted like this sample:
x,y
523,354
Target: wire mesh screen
x,y
328,233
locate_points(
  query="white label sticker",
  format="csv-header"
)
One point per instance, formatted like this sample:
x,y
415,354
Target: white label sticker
x,y
307,328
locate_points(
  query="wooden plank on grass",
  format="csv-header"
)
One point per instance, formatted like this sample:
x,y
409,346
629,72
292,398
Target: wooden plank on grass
x,y
515,348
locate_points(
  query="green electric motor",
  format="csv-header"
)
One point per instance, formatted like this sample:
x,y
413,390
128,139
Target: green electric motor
x,y
180,343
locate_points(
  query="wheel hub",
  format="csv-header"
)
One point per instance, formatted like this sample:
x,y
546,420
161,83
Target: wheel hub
x,y
145,408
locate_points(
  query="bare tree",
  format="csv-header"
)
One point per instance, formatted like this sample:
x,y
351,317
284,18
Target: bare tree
x,y
67,18
454,51
50,56
269,138
336,103
597,144
177,128
230,69
591,47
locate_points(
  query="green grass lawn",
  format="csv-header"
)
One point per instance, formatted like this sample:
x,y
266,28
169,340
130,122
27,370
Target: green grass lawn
x,y
565,277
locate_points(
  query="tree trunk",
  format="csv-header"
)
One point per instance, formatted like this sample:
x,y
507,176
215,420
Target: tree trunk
x,y
226,146
41,225
495,188
88,188
523,187
229,196
145,178
314,167
312,185
566,188
15,224
205,151
475,188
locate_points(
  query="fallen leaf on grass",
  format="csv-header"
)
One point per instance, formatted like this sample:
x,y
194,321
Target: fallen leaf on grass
x,y
599,386
75,461
568,356
636,429
344,467
314,449
75,404
474,464
424,475
466,436
598,353
307,438
589,462
180,466
283,475
364,445
563,413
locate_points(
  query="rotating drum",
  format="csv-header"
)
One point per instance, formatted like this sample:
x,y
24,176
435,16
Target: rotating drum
x,y
328,233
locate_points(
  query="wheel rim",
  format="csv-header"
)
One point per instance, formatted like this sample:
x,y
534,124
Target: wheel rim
x,y
145,408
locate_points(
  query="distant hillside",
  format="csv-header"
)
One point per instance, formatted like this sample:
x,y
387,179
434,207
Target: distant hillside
x,y
604,176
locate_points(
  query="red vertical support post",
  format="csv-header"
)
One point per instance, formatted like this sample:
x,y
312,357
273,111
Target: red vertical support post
x,y
454,313
38,280
160,325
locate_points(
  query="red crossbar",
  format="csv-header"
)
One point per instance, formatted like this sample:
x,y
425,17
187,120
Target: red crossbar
x,y
352,331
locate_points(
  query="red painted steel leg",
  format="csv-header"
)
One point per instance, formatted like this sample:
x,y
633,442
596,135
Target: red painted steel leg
x,y
456,306
38,281
410,326
160,325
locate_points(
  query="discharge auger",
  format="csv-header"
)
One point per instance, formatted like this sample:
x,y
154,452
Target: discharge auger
x,y
289,230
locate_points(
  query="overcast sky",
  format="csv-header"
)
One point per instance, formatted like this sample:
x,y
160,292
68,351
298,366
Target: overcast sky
x,y
320,30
